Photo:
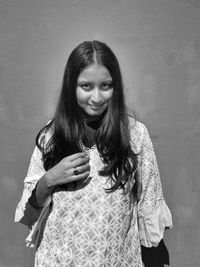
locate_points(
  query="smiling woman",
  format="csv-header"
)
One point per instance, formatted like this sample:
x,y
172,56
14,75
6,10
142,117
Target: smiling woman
x,y
94,89
92,195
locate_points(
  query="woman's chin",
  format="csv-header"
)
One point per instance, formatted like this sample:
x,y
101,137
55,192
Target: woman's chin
x,y
93,112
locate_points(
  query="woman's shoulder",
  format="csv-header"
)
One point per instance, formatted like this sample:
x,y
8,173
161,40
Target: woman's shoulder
x,y
137,132
136,126
45,134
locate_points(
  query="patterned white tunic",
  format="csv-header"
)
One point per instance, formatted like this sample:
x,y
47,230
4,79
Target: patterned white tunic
x,y
87,227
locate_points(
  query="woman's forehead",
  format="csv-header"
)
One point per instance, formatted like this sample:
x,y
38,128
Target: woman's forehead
x,y
95,72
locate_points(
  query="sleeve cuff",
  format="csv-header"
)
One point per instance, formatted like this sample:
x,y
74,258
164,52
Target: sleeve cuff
x,y
153,225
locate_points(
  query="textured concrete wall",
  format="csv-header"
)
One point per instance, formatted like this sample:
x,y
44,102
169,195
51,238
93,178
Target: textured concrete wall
x,y
158,45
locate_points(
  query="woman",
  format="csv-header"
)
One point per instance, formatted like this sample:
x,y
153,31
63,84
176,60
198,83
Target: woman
x,y
92,195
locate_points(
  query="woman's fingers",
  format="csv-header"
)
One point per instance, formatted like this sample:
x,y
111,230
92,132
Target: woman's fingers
x,y
81,168
73,167
79,161
75,160
76,156
80,176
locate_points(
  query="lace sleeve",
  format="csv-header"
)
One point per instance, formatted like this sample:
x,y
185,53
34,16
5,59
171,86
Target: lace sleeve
x,y
25,213
153,214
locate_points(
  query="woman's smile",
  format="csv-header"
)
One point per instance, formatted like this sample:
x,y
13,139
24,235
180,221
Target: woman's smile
x,y
96,107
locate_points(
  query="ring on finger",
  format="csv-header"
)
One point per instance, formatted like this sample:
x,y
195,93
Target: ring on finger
x,y
75,171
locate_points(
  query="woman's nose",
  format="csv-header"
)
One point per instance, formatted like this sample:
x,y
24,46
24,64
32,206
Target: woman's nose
x,y
96,95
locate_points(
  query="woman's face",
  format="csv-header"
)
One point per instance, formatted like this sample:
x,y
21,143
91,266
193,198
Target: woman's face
x,y
94,89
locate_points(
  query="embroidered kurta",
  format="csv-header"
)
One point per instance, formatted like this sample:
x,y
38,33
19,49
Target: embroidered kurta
x,y
87,227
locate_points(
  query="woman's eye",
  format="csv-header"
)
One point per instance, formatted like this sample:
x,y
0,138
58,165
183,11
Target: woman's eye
x,y
86,86
106,86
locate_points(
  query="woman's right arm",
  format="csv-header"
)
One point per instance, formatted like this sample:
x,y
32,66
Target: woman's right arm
x,y
25,212
38,183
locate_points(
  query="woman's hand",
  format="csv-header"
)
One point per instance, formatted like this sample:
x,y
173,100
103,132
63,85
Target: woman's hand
x,y
69,169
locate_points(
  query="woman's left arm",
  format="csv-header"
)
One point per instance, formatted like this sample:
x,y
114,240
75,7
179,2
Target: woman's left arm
x,y
153,214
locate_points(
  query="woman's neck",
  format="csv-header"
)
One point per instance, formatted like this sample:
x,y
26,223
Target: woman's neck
x,y
93,121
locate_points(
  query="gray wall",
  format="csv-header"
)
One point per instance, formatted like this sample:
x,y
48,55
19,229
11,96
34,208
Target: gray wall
x,y
158,45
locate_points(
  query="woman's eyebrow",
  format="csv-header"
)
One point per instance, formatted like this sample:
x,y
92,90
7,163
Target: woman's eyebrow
x,y
84,81
107,81
89,81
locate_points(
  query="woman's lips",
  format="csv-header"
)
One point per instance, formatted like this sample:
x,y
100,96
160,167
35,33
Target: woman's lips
x,y
96,107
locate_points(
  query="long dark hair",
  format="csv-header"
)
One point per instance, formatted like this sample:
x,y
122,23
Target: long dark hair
x,y
68,125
